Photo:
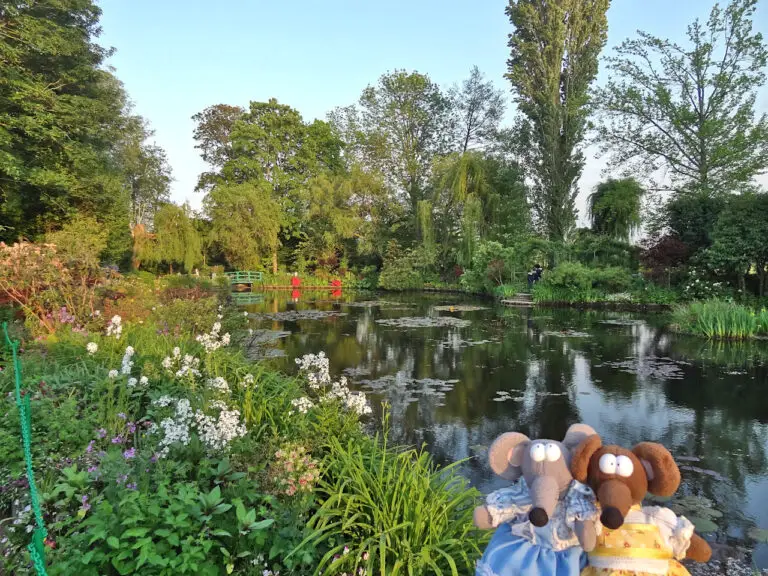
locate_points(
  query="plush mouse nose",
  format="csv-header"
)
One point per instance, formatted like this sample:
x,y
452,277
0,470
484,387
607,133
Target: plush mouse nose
x,y
538,517
611,518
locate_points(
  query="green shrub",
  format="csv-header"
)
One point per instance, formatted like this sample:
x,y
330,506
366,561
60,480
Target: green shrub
x,y
401,274
374,490
569,276
611,279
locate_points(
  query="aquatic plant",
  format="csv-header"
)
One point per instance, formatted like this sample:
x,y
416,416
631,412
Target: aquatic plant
x,y
720,319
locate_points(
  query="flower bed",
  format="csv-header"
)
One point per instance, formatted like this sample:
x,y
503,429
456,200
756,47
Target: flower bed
x,y
160,449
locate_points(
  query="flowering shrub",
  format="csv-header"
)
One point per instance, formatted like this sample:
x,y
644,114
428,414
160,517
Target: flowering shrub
x,y
698,287
212,341
316,369
294,471
33,277
215,432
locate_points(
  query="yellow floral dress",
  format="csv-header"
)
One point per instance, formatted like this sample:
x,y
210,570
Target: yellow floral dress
x,y
649,543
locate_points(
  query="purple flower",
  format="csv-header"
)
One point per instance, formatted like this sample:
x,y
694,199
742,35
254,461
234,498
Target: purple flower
x,y
117,440
93,469
131,427
130,453
121,415
85,505
153,459
101,433
90,446
122,478
131,486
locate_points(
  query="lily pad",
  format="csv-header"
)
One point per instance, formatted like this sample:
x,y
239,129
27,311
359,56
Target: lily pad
x,y
460,308
415,387
621,322
758,534
424,322
294,315
652,367
567,334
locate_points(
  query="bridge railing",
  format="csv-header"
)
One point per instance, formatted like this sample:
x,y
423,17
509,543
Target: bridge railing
x,y
245,277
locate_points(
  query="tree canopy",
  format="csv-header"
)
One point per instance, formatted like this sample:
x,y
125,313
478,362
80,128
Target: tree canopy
x,y
690,109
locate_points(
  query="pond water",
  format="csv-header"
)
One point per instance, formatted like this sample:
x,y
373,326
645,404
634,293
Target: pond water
x,y
457,372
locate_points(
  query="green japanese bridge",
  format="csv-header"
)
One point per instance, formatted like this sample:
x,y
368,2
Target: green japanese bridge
x,y
245,277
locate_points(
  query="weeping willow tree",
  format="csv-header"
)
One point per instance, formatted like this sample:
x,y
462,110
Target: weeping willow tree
x,y
471,228
176,239
614,208
426,229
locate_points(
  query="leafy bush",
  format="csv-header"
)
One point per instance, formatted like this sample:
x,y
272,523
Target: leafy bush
x,y
611,279
401,273
569,276
720,319
372,489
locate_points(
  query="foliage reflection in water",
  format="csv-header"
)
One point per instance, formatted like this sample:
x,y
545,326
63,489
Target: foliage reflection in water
x,y
455,386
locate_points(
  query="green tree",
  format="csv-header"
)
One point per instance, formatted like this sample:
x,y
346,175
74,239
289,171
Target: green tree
x,y
243,222
739,238
213,138
397,129
83,239
615,207
691,217
176,239
329,218
478,108
268,145
553,61
60,115
690,109
146,173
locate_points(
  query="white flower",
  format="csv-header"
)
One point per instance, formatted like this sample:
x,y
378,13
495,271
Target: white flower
x,y
248,379
303,404
115,327
113,374
129,351
225,339
92,348
245,314
167,363
219,384
216,328
219,316
144,381
132,382
176,352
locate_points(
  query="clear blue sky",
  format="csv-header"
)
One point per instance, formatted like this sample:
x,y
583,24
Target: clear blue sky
x,y
177,57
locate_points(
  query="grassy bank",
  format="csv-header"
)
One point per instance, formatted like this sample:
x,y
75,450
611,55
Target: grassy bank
x,y
718,319
160,449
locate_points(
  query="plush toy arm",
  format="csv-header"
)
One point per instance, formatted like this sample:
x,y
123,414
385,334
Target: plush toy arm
x,y
482,518
699,550
586,532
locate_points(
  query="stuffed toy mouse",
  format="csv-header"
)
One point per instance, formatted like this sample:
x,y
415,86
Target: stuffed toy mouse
x,y
545,520
635,540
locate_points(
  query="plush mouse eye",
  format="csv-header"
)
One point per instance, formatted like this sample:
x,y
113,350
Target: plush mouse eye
x,y
538,452
553,452
624,466
608,464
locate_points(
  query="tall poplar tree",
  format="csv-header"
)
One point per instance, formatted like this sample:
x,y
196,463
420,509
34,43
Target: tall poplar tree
x,y
554,59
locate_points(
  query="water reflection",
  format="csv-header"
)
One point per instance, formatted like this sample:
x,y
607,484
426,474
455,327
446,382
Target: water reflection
x,y
456,388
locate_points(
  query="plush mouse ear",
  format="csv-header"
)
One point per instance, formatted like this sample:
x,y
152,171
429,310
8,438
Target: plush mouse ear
x,y
576,434
663,474
582,454
506,454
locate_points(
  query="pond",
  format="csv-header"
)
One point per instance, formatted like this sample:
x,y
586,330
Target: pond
x,y
458,371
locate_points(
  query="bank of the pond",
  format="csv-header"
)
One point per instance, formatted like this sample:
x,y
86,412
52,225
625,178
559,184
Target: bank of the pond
x,y
719,319
159,447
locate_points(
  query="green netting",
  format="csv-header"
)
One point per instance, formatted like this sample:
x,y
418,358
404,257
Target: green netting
x,y
37,546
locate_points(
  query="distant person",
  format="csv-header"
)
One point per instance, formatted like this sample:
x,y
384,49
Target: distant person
x,y
295,294
336,283
295,280
534,275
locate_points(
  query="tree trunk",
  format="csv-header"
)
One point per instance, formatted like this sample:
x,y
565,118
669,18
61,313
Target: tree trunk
x,y
170,268
274,261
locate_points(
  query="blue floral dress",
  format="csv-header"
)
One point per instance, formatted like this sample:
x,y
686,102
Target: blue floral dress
x,y
518,548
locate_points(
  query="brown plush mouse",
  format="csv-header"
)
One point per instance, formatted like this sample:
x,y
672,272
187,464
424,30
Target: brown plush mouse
x,y
635,540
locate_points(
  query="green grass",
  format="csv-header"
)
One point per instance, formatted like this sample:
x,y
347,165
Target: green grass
x,y
395,511
718,319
